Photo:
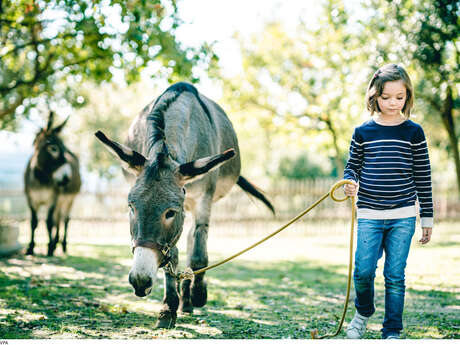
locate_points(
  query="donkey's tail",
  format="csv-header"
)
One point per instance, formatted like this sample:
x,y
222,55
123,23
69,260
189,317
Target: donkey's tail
x,y
253,190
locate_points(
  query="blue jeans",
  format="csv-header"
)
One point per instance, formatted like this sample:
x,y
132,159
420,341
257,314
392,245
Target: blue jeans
x,y
375,236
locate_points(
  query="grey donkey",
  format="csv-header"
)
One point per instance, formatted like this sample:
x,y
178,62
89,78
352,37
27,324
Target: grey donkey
x,y
52,179
181,154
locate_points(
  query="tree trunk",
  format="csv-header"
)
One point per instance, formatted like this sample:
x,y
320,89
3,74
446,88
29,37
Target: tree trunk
x,y
337,158
448,121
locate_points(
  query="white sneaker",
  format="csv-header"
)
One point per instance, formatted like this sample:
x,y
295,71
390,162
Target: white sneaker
x,y
393,336
357,327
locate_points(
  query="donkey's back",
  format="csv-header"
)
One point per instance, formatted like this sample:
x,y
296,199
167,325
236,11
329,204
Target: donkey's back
x,y
192,126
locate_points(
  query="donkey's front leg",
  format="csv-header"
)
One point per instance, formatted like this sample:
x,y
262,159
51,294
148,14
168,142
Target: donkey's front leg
x,y
199,259
168,313
50,222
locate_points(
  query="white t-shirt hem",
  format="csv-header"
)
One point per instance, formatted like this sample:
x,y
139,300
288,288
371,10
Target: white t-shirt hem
x,y
395,213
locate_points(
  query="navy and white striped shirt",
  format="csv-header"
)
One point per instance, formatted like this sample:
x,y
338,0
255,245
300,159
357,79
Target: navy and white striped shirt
x,y
392,167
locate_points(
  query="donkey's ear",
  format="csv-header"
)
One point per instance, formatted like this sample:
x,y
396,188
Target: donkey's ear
x,y
61,126
191,171
50,121
132,160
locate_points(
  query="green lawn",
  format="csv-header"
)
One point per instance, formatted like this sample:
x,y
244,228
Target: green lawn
x,y
290,285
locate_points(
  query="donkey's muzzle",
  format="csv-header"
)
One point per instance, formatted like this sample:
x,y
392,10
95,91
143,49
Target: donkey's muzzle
x,y
144,270
63,174
142,284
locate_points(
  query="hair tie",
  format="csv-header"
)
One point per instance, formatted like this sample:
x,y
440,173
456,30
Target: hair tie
x,y
376,74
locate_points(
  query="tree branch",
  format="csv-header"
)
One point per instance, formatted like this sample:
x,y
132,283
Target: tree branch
x,y
12,108
42,75
44,41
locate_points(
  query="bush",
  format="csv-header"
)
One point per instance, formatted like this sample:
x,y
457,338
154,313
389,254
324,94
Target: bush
x,y
300,167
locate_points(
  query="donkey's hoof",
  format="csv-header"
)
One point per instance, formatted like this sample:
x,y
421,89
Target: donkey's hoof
x,y
199,294
30,251
51,249
166,319
186,307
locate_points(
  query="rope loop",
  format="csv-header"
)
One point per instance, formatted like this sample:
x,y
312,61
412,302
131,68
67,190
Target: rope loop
x,y
336,186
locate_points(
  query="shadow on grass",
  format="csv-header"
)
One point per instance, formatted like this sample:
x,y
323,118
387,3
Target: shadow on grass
x,y
446,244
87,295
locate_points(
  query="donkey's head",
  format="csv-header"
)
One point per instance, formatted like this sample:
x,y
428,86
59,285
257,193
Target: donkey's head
x,y
156,205
49,159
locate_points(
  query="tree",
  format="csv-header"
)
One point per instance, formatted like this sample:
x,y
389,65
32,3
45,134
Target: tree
x,y
303,88
437,52
49,47
300,168
428,40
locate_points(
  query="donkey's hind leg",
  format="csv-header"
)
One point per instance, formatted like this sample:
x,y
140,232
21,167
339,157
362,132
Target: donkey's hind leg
x,y
199,259
66,207
186,305
64,240
198,252
33,226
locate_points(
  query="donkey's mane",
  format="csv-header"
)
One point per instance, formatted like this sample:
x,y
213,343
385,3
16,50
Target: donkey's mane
x,y
161,105
152,171
157,119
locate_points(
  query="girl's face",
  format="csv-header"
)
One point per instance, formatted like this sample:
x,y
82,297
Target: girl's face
x,y
393,97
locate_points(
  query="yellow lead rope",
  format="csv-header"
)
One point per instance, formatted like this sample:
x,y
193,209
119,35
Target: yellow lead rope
x,y
314,333
188,273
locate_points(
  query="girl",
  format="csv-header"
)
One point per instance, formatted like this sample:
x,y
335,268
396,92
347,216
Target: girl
x,y
390,165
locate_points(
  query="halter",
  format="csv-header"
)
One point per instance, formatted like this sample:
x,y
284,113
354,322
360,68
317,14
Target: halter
x,y
164,249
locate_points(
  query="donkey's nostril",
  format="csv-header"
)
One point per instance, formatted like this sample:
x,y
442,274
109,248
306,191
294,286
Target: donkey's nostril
x,y
142,284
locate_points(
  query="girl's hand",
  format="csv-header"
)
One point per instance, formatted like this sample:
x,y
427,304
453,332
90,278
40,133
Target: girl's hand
x,y
351,189
426,235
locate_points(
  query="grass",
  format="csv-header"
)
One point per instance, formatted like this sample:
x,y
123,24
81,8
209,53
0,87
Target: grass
x,y
285,288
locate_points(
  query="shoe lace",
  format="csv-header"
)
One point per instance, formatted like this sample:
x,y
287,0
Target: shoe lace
x,y
358,324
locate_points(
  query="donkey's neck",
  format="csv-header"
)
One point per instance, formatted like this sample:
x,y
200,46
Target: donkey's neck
x,y
43,177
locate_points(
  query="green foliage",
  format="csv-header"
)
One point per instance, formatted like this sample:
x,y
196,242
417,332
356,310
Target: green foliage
x,y
303,89
300,90
428,39
49,47
299,168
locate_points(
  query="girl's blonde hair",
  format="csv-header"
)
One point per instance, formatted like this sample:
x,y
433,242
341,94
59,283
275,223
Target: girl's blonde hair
x,y
390,72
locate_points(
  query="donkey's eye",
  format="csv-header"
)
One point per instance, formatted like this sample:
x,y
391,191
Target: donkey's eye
x,y
131,209
53,149
169,214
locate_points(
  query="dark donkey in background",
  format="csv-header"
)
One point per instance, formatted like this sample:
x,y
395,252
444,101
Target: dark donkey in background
x,y
52,179
181,139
